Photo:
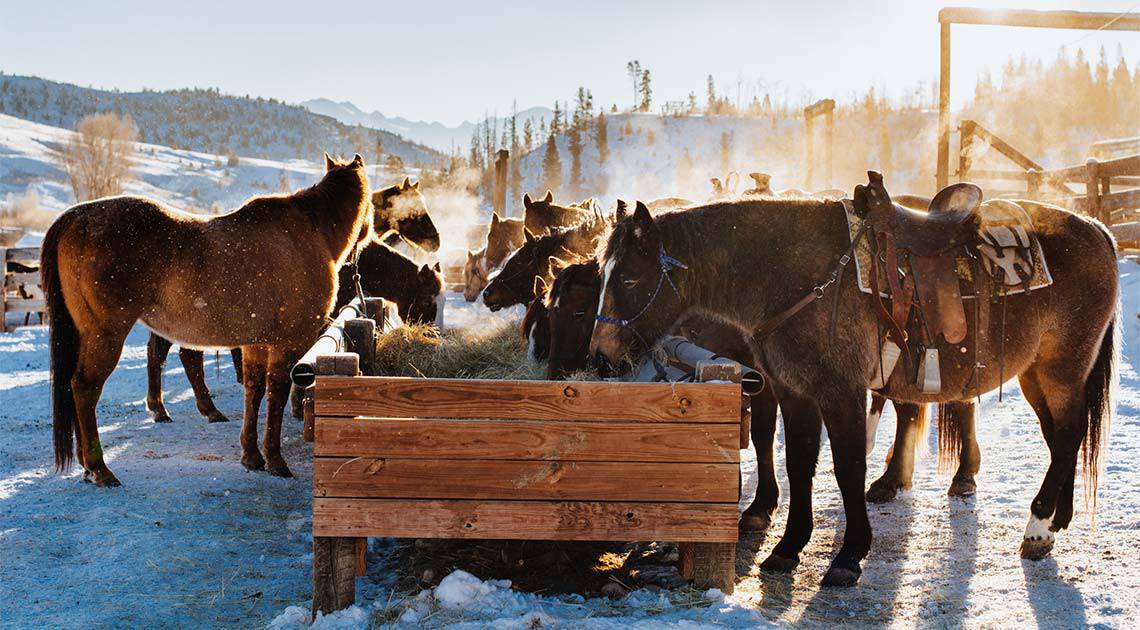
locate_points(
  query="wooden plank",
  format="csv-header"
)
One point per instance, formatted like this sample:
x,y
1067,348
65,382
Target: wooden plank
x,y
714,566
526,440
334,574
1083,20
526,520
23,254
16,279
391,478
1120,167
20,305
1125,199
526,400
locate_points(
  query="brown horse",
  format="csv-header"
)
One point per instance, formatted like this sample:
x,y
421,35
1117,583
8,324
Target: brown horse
x,y
543,215
393,276
503,237
541,257
1062,348
399,212
262,277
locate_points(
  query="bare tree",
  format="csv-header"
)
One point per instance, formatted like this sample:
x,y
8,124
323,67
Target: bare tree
x,y
98,156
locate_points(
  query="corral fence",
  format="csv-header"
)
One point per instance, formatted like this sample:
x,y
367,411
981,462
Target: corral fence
x,y
22,292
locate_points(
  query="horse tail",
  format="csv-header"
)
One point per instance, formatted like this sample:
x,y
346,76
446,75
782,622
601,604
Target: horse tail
x,y
949,437
64,345
1102,379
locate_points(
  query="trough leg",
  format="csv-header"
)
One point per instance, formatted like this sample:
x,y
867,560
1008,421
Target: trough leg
x,y
334,574
714,566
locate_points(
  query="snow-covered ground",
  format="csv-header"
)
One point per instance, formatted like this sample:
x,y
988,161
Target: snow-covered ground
x,y
192,539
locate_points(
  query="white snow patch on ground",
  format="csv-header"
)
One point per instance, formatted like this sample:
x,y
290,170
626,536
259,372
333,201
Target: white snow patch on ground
x,y
192,539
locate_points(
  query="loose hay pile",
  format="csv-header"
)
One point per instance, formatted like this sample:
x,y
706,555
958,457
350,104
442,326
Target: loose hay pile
x,y
421,350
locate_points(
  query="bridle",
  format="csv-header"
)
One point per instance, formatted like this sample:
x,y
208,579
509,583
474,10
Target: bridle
x,y
665,263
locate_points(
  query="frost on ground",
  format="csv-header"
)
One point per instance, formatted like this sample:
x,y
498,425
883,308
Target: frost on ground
x,y
195,540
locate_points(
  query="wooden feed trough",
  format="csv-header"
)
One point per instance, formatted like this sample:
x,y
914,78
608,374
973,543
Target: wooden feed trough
x,y
520,460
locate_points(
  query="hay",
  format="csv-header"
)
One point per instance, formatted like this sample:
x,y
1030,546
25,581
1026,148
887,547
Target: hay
x,y
420,350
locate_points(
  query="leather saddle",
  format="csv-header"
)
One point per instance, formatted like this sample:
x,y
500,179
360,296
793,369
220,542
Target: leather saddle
x,y
926,243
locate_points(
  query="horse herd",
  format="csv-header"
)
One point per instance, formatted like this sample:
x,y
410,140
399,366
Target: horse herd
x,y
737,275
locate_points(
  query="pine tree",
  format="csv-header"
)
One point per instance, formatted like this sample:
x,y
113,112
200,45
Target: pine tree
x,y
551,166
556,120
710,96
516,176
575,147
646,91
633,69
600,137
528,135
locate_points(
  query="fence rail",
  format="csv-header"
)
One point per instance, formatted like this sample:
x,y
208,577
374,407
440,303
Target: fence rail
x,y
21,292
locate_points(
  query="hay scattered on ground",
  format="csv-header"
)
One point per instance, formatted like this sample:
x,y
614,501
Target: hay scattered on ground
x,y
497,352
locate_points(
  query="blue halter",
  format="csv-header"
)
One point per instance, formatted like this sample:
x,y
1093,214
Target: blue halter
x,y
666,263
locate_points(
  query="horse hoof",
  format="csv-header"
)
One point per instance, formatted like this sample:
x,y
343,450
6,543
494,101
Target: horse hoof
x,y
163,417
281,471
962,488
1034,549
882,491
253,461
841,576
216,416
779,564
107,481
755,523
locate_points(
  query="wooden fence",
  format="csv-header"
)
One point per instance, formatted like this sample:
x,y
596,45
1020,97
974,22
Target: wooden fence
x,y
22,292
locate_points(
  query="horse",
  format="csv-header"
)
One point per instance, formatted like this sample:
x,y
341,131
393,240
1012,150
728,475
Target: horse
x,y
543,215
725,189
762,187
535,327
399,212
656,270
262,277
541,257
503,237
388,274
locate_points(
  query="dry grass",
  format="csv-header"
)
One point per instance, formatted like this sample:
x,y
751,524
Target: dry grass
x,y
421,350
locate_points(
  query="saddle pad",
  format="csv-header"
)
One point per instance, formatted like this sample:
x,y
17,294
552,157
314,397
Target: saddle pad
x,y
1041,276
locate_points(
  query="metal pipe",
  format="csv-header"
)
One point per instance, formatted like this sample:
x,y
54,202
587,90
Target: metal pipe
x,y
332,340
681,350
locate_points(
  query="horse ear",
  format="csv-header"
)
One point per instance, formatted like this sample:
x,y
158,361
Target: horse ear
x,y
557,265
357,161
416,186
621,207
329,163
549,197
470,256
530,237
495,218
539,289
527,201
407,184
642,220
436,267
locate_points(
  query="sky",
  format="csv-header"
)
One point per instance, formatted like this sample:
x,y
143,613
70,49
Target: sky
x,y
450,61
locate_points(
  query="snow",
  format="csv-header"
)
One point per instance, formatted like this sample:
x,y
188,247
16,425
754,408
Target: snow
x,y
193,539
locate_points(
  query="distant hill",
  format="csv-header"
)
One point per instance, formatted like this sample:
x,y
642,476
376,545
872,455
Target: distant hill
x,y
433,134
208,121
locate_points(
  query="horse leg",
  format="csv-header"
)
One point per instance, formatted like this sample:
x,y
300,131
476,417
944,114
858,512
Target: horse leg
x,y
156,350
280,362
900,460
758,516
97,359
254,359
845,417
235,355
970,456
802,425
196,374
1060,408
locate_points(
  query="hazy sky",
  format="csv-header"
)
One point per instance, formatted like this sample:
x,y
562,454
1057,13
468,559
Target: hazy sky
x,y
449,61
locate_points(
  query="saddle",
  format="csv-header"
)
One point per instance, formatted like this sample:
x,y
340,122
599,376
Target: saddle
x,y
918,253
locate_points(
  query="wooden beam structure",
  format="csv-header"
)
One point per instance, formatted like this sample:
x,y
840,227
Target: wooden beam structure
x,y
1081,20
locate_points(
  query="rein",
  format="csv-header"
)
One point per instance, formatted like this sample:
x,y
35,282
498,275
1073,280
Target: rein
x,y
666,263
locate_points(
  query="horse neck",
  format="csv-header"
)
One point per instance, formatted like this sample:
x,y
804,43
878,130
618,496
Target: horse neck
x,y
749,262
392,275
337,214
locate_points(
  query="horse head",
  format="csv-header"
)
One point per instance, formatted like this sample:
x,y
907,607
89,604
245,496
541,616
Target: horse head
x,y
571,305
514,282
474,274
638,302
421,304
403,210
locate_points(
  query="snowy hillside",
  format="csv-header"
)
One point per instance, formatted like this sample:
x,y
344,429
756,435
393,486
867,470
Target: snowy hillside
x,y
652,156
433,134
187,180
206,120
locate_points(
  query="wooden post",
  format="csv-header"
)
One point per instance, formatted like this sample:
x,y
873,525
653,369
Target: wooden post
x,y
336,560
965,146
828,138
361,336
808,141
308,415
499,201
1033,183
1092,189
943,173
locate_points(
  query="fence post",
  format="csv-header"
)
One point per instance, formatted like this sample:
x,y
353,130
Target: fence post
x,y
499,202
828,138
943,174
1092,189
808,140
965,146
1033,183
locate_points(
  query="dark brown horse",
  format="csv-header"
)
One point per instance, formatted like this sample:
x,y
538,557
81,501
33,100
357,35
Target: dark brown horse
x,y
543,215
1062,348
393,276
399,212
262,277
503,237
541,257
